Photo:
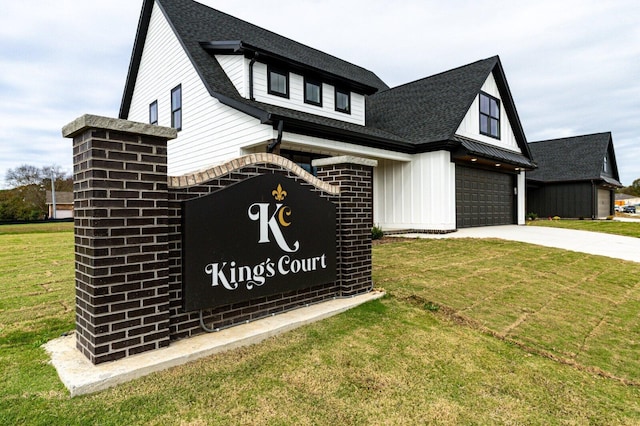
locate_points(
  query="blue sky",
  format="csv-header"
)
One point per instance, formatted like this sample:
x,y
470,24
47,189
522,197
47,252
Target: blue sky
x,y
573,67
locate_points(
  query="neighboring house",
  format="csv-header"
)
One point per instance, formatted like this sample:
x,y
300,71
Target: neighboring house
x,y
626,199
450,148
64,205
576,177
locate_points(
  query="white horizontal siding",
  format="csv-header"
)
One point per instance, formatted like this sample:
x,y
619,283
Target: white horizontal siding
x,y
470,126
296,97
211,132
235,66
419,194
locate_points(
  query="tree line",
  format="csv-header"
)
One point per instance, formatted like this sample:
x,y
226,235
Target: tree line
x,y
633,189
26,198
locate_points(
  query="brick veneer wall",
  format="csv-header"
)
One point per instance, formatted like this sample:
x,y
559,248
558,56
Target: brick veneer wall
x,y
121,244
128,222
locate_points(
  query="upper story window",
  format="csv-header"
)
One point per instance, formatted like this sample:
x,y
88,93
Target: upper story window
x,y
153,112
176,108
278,82
604,165
312,92
489,116
343,101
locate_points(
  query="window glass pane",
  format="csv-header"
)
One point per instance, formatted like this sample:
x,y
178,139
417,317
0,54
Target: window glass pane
x,y
495,110
312,92
342,101
176,98
278,82
153,113
484,104
484,124
176,108
176,119
494,128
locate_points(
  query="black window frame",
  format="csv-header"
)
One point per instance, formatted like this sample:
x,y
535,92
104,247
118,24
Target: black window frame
x,y
313,82
153,111
346,110
275,70
176,110
488,117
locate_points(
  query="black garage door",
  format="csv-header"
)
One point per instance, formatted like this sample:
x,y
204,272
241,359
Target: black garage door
x,y
484,197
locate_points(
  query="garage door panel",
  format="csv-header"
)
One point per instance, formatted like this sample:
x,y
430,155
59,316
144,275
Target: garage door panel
x,y
483,197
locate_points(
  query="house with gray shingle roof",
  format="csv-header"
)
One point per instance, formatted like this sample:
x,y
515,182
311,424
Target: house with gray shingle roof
x,y
576,177
450,148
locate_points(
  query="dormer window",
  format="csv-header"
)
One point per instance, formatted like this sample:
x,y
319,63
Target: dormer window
x,y
343,101
489,116
312,92
278,82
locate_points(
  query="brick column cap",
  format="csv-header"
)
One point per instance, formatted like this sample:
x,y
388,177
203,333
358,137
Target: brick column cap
x,y
89,121
344,159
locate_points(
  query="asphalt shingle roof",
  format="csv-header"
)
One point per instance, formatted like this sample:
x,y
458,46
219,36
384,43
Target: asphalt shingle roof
x,y
574,159
430,109
414,117
195,23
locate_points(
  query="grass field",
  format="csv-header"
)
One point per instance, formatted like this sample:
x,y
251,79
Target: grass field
x,y
471,332
627,229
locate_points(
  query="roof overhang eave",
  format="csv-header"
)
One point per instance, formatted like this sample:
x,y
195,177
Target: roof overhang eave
x,y
239,47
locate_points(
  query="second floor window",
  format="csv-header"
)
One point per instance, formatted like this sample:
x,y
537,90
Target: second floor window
x,y
343,101
278,82
489,116
312,92
176,108
153,112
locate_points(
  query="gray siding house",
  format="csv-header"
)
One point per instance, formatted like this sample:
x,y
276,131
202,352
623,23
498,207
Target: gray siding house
x,y
576,177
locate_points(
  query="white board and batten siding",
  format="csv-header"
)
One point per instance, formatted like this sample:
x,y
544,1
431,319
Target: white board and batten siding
x,y
470,126
521,198
211,132
417,194
237,69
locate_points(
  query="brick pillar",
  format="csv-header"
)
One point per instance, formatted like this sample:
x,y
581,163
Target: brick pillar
x,y
121,236
354,214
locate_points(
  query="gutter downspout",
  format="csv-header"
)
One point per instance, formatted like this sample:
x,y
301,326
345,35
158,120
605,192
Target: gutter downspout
x,y
274,146
253,61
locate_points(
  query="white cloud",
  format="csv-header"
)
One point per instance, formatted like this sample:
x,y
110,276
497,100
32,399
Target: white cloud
x,y
572,65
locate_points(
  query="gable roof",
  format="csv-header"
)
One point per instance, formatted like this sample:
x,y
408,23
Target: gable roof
x,y
391,120
200,29
441,102
576,158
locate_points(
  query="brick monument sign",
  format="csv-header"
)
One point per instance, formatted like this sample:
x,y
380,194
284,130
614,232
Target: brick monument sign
x,y
160,258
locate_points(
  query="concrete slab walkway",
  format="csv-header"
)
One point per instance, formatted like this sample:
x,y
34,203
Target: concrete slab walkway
x,y
82,377
615,246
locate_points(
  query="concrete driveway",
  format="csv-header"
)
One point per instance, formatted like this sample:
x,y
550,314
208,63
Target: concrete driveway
x,y
627,248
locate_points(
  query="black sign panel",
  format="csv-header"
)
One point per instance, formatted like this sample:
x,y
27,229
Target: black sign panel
x,y
262,236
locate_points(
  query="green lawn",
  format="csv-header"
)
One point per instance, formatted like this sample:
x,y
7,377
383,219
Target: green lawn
x,y
628,229
471,332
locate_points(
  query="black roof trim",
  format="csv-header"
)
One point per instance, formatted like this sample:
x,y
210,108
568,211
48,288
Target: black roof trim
x,y
471,147
136,57
240,47
344,135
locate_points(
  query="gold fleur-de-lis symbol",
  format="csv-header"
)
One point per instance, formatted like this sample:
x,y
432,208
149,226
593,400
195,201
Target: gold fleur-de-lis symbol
x,y
279,193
